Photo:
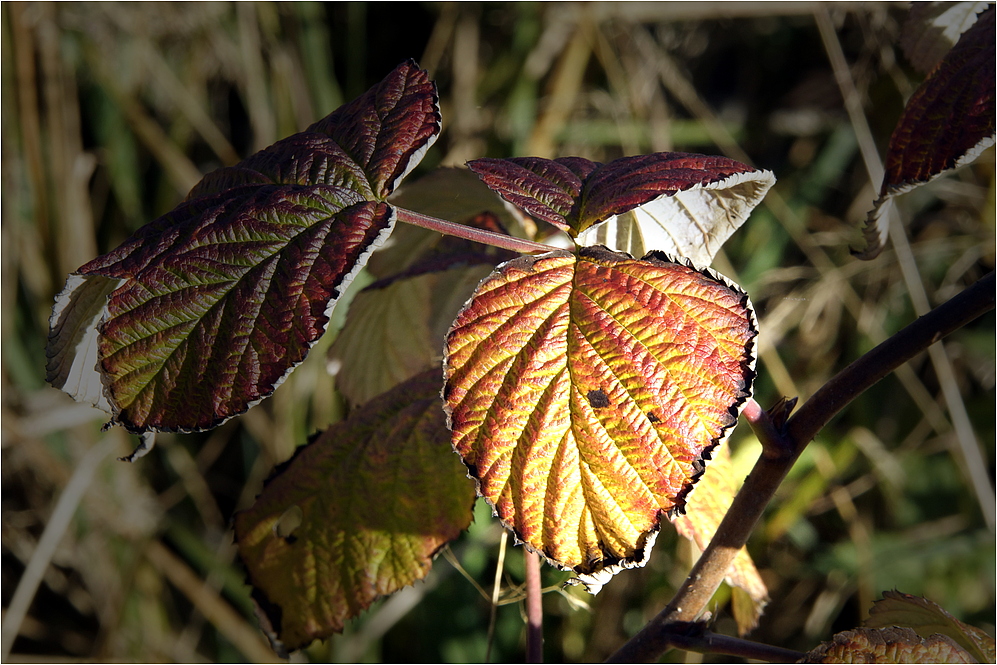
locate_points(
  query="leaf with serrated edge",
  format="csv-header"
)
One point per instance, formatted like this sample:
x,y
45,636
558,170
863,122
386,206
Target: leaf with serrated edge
x,y
927,618
217,310
355,515
887,645
947,123
683,204
709,502
585,394
219,299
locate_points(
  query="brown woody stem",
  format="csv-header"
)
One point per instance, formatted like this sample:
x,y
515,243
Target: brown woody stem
x,y
772,466
471,233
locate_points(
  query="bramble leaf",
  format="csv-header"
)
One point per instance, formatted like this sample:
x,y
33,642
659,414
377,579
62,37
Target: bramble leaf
x,y
586,392
927,619
395,327
214,303
357,514
947,123
684,204
709,502
887,645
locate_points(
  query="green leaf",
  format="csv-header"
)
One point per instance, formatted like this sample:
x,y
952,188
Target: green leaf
x,y
586,394
355,515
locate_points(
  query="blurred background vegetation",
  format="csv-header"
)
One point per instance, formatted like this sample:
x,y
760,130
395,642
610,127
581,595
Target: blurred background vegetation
x,y
111,112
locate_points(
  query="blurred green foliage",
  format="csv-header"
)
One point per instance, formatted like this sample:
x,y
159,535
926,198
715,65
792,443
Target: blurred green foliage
x,y
111,111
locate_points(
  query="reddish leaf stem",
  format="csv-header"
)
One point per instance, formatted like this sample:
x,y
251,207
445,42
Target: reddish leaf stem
x,y
470,233
760,485
534,608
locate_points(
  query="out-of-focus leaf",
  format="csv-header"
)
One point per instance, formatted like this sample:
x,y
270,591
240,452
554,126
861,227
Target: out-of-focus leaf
x,y
355,515
586,394
927,618
887,645
684,204
396,329
947,123
396,326
710,499
932,28
215,302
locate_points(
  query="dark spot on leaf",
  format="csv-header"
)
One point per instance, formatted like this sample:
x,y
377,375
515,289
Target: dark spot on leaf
x,y
653,418
290,540
598,399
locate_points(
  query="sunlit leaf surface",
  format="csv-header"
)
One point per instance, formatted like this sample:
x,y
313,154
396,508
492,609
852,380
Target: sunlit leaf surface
x,y
586,393
217,301
708,504
355,515
684,204
947,123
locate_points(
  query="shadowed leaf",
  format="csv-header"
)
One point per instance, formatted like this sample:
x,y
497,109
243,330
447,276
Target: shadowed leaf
x,y
932,28
684,204
355,515
218,300
947,123
585,394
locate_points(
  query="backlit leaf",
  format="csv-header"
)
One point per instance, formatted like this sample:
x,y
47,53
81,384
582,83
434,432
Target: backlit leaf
x,y
355,515
684,204
586,393
708,504
927,618
947,123
210,306
888,645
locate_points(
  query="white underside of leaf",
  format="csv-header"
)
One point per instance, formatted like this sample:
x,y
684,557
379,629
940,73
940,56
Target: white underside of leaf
x,y
594,582
416,158
694,223
877,225
72,365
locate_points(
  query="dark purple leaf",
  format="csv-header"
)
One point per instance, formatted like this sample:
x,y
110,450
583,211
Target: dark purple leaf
x,y
212,304
947,123
683,204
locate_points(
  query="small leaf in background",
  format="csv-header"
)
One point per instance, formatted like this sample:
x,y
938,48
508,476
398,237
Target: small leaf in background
x,y
356,514
684,204
586,393
215,302
947,123
214,311
927,619
709,501
887,645
396,327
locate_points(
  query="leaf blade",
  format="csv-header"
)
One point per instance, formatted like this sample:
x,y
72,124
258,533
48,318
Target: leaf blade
x,y
370,502
572,441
